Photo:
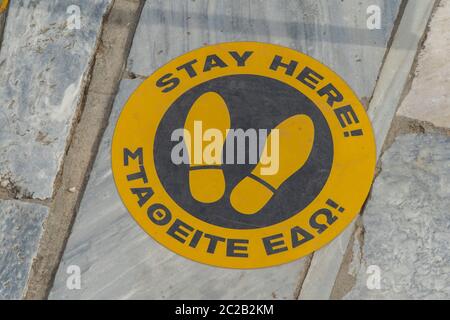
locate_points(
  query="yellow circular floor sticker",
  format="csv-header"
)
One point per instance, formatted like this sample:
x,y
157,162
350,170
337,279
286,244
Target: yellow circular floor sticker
x,y
243,155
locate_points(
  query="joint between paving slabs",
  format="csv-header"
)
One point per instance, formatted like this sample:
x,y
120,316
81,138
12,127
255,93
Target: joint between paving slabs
x,y
366,103
400,125
365,100
345,281
131,75
86,133
303,274
35,279
12,192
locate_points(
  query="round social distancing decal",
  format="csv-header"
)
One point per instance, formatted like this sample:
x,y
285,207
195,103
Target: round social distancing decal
x,y
243,155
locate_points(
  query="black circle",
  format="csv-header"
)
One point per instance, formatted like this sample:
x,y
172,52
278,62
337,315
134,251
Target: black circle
x,y
253,102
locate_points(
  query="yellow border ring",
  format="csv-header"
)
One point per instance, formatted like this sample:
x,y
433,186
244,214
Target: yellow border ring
x,y
3,5
339,201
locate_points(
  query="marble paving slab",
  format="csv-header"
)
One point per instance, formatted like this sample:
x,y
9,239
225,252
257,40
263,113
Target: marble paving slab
x,y
43,65
20,230
334,32
119,260
388,92
407,225
429,97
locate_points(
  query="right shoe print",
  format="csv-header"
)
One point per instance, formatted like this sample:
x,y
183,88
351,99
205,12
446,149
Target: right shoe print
x,y
296,138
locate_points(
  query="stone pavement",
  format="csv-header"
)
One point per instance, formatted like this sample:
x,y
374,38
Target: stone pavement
x,y
115,255
429,99
110,267
20,229
406,222
46,94
392,80
43,69
40,89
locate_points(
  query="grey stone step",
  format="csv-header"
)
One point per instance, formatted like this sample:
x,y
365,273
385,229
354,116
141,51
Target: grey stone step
x,y
3,10
429,97
387,95
20,229
406,222
43,68
407,225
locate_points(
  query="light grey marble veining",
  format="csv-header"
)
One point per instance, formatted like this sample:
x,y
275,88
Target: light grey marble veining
x,y
334,32
407,225
43,65
20,230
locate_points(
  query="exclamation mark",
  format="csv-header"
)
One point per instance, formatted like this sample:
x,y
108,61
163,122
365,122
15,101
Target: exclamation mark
x,y
334,205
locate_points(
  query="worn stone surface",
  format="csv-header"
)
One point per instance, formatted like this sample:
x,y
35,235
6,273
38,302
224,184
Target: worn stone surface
x,y
387,95
429,97
334,32
407,225
43,65
119,260
110,60
20,230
